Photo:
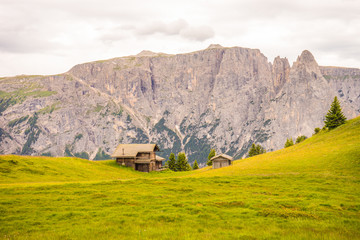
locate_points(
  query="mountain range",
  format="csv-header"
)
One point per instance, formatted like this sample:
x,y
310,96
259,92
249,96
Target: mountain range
x,y
219,97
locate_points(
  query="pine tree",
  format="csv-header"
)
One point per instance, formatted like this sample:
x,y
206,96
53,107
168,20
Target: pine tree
x,y
182,163
256,149
195,165
334,117
289,142
211,155
172,162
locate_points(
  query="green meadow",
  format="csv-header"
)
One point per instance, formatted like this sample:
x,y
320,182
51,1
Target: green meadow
x,y
308,191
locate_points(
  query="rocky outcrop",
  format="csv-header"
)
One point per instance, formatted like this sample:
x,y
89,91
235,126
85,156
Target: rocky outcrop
x,y
223,98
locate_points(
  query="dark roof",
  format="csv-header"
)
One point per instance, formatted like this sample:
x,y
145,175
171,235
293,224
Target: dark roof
x,y
222,155
131,150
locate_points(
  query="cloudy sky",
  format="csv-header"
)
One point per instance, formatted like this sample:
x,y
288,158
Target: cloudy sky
x,y
50,36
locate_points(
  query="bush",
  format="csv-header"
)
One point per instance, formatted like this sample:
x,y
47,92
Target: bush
x,y
289,142
317,130
299,139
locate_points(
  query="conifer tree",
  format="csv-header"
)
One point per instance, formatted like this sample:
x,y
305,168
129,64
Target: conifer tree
x,y
334,117
172,162
289,142
211,155
182,163
256,149
195,165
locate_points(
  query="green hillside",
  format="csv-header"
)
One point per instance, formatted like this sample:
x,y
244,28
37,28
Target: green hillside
x,y
335,153
308,191
17,169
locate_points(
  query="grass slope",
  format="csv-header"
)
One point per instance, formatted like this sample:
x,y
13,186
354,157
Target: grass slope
x,y
308,191
18,169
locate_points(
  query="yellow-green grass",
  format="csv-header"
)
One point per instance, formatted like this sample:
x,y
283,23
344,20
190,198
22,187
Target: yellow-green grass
x,y
26,169
335,153
308,191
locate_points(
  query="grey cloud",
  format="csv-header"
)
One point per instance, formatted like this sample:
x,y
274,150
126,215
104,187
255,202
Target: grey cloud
x,y
200,33
172,28
23,40
179,27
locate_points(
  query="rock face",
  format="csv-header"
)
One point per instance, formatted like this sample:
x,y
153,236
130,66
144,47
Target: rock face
x,y
222,98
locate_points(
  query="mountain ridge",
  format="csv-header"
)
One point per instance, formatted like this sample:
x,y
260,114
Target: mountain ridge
x,y
223,98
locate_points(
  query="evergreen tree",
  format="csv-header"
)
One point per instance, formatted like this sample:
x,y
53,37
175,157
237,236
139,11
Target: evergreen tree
x,y
182,163
195,165
334,117
256,149
299,139
211,155
289,142
172,162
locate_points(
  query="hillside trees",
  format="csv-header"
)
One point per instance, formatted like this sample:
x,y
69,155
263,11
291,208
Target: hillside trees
x,y
316,130
334,117
301,138
178,164
172,162
182,163
195,165
289,142
256,149
211,155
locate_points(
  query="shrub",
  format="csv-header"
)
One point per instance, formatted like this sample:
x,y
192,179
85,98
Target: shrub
x,y
289,142
299,139
317,130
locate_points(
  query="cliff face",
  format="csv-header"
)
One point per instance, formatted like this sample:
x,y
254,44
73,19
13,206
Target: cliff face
x,y
223,98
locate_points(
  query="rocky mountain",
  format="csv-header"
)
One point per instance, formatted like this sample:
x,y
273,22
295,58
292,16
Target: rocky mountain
x,y
222,98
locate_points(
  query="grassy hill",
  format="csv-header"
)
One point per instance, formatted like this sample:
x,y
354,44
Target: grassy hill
x,y
17,169
308,191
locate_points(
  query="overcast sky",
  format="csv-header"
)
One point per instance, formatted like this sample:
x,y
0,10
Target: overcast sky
x,y
50,36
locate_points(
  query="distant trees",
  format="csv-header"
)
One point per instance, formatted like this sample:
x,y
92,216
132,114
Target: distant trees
x,y
179,164
256,150
172,162
316,130
301,138
195,165
289,142
334,117
182,163
211,155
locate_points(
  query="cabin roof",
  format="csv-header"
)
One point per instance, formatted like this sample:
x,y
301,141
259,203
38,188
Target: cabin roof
x,y
221,155
131,150
158,158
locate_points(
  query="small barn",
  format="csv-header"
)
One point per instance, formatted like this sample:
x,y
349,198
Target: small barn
x,y
221,160
141,157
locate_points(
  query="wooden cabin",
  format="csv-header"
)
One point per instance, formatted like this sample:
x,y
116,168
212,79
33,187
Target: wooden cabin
x,y
141,157
221,160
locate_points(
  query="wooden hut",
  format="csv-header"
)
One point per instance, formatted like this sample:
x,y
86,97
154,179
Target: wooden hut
x,y
221,160
141,157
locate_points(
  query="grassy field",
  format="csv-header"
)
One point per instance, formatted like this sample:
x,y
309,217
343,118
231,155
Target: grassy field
x,y
308,191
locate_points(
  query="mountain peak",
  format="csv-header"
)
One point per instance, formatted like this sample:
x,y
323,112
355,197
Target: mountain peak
x,y
306,57
214,46
146,53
